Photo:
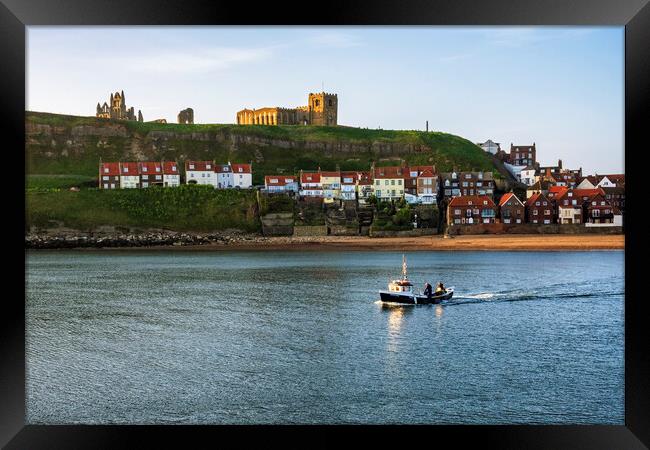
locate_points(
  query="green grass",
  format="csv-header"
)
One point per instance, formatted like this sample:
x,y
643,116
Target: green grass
x,y
185,208
285,150
60,181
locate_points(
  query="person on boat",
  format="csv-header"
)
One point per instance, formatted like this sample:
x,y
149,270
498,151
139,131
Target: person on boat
x,y
440,288
427,290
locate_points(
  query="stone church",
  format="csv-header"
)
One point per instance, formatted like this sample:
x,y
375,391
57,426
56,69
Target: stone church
x,y
322,109
117,109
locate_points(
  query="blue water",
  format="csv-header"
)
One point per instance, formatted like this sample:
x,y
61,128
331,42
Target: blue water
x,y
299,337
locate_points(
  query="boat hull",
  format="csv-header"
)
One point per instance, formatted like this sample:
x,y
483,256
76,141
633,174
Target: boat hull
x,y
410,299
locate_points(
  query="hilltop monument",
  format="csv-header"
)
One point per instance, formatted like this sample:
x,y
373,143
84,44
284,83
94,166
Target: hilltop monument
x,y
322,109
116,109
186,116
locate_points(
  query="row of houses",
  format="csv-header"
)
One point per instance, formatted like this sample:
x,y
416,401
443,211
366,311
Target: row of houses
x,y
417,184
562,206
129,175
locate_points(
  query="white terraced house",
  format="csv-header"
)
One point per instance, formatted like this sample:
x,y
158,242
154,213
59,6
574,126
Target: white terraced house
x,y
200,172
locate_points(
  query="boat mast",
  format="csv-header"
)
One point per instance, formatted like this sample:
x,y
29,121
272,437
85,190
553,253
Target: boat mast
x,y
403,266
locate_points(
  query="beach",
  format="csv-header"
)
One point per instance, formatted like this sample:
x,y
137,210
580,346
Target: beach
x,y
530,242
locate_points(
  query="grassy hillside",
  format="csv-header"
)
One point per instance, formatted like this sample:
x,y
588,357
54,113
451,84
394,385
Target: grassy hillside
x,y
185,208
71,145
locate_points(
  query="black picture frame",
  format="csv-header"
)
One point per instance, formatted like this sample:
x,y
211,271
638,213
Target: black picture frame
x,y
15,15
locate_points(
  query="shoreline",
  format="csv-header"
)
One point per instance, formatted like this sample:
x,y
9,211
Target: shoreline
x,y
498,242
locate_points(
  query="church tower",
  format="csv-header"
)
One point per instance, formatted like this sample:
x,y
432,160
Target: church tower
x,y
323,109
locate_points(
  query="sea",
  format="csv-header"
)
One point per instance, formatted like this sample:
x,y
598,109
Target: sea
x,y
300,337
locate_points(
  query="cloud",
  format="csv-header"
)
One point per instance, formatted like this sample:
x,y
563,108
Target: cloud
x,y
521,37
195,60
335,40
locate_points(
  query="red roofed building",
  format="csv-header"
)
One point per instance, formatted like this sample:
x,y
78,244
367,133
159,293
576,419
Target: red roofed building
x,y
201,172
364,186
471,210
349,182
570,205
599,210
242,175
109,175
539,209
129,175
310,184
388,182
281,183
511,209
171,174
150,174
556,191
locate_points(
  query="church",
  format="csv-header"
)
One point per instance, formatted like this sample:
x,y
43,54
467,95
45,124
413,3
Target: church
x,y
117,109
322,109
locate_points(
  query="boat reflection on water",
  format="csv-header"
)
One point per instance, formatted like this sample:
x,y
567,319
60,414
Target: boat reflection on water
x,y
439,311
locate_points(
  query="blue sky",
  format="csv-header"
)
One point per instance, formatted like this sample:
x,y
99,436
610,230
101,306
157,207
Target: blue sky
x,y
560,87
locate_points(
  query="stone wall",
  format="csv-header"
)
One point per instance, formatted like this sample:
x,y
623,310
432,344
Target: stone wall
x,y
277,224
407,233
316,230
502,228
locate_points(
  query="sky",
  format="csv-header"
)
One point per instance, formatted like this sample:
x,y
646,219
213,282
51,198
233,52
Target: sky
x,y
559,87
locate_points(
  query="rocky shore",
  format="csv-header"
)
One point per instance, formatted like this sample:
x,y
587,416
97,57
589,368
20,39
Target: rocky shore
x,y
236,240
70,239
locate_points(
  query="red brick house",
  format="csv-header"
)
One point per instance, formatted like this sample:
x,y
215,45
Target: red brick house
x,y
511,209
109,175
471,210
539,210
151,173
598,210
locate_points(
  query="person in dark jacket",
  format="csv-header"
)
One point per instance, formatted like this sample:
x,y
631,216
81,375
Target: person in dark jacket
x,y
427,290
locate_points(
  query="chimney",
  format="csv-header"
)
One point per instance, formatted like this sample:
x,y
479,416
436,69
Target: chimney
x,y
559,163
427,126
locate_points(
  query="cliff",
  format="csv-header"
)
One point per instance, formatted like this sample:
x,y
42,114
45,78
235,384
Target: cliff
x,y
72,145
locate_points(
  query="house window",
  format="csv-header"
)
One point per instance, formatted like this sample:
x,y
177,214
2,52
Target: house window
x,y
534,212
105,178
469,213
376,182
240,169
399,182
485,202
126,169
547,212
192,166
392,182
173,168
144,177
457,212
144,168
157,169
105,185
208,166
157,177
105,169
536,203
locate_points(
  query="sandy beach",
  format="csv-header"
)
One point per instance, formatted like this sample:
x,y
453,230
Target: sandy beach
x,y
537,242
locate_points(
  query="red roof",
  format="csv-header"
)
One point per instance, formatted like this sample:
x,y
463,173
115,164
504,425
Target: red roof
x,y
557,189
348,175
113,168
245,168
279,180
535,197
310,177
423,171
330,174
222,168
472,200
587,192
507,197
130,168
365,178
200,165
148,167
391,172
170,167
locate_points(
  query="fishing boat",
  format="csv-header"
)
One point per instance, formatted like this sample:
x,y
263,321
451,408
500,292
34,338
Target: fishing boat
x,y
401,291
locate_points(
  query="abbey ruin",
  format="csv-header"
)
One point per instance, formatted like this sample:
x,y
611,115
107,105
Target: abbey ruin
x,y
117,109
322,109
